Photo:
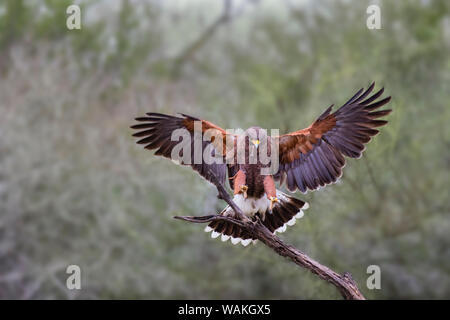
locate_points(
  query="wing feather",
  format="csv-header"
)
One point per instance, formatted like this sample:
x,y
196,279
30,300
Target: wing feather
x,y
314,157
155,132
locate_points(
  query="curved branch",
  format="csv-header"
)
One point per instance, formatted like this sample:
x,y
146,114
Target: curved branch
x,y
344,283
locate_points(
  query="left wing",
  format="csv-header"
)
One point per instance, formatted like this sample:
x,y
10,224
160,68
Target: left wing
x,y
156,130
314,157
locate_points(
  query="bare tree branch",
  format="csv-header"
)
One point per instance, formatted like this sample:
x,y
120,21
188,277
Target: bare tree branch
x,y
223,18
344,283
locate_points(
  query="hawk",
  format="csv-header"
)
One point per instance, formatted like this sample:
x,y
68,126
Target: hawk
x,y
306,159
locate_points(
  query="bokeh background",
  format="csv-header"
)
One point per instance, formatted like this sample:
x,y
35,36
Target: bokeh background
x,y
76,189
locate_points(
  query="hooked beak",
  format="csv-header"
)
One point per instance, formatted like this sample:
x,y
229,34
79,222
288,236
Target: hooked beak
x,y
255,143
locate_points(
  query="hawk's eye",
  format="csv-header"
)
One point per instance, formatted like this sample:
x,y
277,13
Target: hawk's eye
x,y
255,142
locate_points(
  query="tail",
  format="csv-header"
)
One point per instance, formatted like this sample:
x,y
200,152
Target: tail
x,y
284,213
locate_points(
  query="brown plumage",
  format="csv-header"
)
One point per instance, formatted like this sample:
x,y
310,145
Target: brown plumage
x,y
308,158
314,156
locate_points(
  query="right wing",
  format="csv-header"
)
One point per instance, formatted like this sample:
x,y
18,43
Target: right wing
x,y
314,157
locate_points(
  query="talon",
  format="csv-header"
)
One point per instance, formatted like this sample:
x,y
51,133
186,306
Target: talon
x,y
272,201
243,189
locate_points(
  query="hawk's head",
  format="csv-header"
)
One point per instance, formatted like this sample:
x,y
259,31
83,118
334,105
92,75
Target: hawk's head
x,y
255,136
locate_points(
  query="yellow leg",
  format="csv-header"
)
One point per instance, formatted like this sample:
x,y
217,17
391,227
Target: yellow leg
x,y
243,189
239,183
272,201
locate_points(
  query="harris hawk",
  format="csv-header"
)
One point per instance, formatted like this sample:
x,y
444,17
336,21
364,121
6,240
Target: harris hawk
x,y
306,159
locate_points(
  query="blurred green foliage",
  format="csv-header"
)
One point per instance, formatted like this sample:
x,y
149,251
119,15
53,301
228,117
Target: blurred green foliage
x,y
75,189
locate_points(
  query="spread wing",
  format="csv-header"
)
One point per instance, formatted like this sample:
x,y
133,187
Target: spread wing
x,y
172,136
314,157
